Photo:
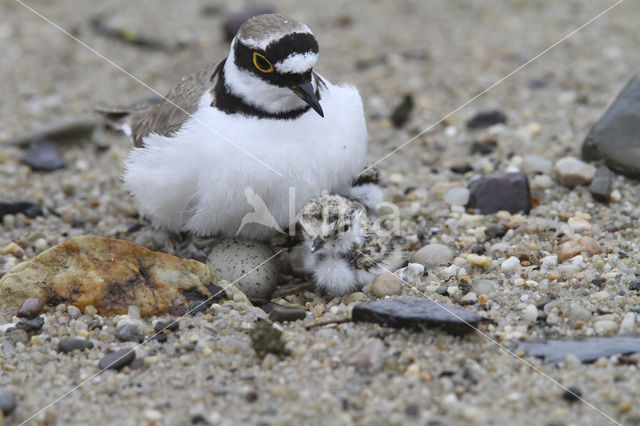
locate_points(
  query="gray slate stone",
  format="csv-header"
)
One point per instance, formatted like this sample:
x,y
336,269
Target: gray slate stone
x,y
500,191
600,187
117,360
417,314
616,136
130,333
587,351
286,313
7,402
74,343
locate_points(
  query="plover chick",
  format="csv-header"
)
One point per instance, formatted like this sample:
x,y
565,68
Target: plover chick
x,y
260,122
344,251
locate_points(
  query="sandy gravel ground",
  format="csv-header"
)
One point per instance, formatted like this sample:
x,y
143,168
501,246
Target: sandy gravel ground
x,y
443,53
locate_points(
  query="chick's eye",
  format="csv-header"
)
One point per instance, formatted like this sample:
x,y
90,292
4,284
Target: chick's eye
x,y
260,62
344,227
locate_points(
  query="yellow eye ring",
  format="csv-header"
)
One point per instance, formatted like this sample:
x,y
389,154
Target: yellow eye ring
x,y
256,55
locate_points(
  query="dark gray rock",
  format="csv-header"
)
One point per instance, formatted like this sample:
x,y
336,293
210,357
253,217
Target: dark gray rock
x,y
31,325
31,308
587,351
572,394
485,119
28,208
286,313
402,111
129,333
117,360
15,335
7,402
170,325
616,136
500,191
418,314
483,147
43,156
234,21
198,306
600,187
74,344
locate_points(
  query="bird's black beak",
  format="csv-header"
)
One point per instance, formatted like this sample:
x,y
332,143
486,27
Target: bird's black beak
x,y
316,244
306,93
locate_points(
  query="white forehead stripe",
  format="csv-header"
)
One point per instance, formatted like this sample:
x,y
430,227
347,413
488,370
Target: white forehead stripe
x,y
263,40
297,63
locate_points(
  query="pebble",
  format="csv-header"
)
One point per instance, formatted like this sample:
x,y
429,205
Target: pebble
x,y
568,249
31,308
386,284
73,311
13,207
31,325
286,313
355,297
129,333
478,260
198,306
511,264
533,163
469,299
458,196
616,137
570,172
433,255
43,156
485,119
628,322
171,325
369,359
577,312
16,335
605,327
73,343
7,402
571,248
413,272
117,360
530,313
402,111
572,394
500,191
600,187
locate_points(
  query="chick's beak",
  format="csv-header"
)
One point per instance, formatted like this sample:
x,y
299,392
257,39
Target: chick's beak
x,y
305,92
316,244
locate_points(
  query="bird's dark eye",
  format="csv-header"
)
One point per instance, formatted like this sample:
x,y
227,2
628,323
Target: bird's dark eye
x,y
262,63
344,228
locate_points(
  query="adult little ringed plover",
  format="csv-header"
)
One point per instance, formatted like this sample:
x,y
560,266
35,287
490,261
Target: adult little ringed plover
x,y
264,101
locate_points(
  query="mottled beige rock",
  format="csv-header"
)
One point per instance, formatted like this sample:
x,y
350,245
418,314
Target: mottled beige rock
x,y
110,275
568,249
590,245
386,284
571,248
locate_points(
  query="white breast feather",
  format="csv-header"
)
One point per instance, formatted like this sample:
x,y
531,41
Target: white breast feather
x,y
195,180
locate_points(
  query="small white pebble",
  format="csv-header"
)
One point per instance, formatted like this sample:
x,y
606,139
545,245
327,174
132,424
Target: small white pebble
x,y
616,196
530,313
510,264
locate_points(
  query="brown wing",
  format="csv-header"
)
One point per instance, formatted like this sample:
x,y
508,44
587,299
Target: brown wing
x,y
168,116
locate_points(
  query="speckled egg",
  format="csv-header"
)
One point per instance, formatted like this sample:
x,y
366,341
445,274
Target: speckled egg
x,y
232,258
